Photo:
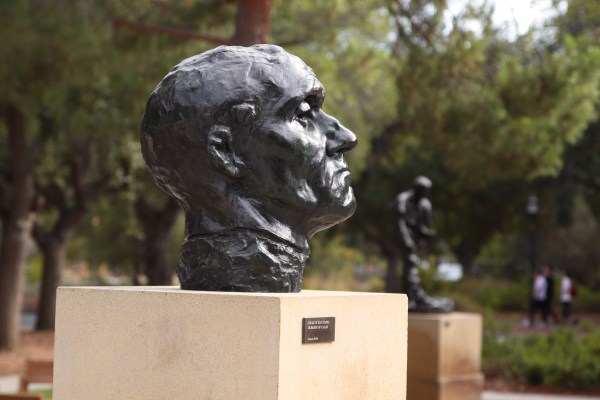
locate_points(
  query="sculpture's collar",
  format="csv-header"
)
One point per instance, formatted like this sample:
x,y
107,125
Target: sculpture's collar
x,y
237,233
241,260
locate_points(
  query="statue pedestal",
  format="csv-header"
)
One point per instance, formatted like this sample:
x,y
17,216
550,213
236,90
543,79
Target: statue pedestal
x,y
444,356
164,343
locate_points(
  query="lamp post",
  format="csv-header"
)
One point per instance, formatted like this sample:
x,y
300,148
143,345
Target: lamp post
x,y
532,210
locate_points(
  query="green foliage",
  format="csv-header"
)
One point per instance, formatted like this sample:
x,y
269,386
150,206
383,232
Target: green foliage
x,y
82,81
479,294
499,258
530,103
432,285
496,337
479,114
562,358
581,19
484,294
45,393
331,254
587,300
573,247
33,274
104,238
333,265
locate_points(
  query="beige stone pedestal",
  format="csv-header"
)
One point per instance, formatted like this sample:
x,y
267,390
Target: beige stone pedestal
x,y
444,356
164,343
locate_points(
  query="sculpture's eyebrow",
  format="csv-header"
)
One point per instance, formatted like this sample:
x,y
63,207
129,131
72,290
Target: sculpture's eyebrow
x,y
317,91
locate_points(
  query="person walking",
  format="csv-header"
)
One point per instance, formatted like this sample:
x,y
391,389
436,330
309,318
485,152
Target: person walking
x,y
538,298
567,291
549,306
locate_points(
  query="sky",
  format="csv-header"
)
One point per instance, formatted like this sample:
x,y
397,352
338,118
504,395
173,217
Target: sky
x,y
516,15
522,13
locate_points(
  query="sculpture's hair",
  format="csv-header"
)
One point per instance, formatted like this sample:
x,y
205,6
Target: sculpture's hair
x,y
197,94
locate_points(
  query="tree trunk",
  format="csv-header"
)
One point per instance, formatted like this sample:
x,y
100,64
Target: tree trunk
x,y
466,257
253,23
157,258
135,281
391,280
13,254
157,224
17,220
53,251
72,204
53,245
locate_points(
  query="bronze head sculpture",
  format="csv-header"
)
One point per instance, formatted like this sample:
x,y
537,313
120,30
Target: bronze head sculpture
x,y
238,136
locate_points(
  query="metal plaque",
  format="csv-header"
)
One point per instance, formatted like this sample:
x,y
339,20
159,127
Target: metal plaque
x,y
318,330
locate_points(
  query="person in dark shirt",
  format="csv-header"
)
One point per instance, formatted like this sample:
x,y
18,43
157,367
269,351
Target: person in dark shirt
x,y
549,302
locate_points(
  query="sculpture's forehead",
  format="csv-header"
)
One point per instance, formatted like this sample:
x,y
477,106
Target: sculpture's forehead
x,y
287,79
296,86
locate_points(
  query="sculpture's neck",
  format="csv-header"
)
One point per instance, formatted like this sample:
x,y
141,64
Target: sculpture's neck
x,y
244,213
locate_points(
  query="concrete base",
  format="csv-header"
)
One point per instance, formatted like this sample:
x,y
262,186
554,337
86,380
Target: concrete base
x,y
165,343
444,356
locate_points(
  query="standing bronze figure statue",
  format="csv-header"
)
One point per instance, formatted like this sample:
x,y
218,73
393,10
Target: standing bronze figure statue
x,y
238,137
414,214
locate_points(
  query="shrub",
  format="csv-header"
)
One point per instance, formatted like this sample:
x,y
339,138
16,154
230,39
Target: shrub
x,y
587,300
561,358
478,294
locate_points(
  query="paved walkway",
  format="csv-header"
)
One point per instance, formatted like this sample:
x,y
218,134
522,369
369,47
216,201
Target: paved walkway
x,y
530,396
10,384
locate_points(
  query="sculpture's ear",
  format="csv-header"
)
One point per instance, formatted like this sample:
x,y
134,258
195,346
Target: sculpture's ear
x,y
220,150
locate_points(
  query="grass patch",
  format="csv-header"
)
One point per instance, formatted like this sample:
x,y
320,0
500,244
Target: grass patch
x,y
45,393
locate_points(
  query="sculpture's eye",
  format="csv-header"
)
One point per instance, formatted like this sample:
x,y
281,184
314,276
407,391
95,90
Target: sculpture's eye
x,y
303,113
304,110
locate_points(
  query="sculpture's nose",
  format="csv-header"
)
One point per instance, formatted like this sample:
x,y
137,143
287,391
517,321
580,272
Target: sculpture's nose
x,y
339,138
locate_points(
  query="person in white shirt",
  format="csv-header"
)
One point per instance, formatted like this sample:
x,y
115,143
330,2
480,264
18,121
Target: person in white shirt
x,y
538,297
566,295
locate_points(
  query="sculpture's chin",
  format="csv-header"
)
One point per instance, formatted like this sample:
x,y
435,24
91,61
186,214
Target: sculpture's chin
x,y
335,213
349,202
345,204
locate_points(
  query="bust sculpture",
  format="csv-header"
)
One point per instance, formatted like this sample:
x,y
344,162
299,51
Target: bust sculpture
x,y
414,213
238,137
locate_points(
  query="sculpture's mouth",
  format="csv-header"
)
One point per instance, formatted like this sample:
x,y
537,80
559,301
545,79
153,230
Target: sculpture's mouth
x,y
344,176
